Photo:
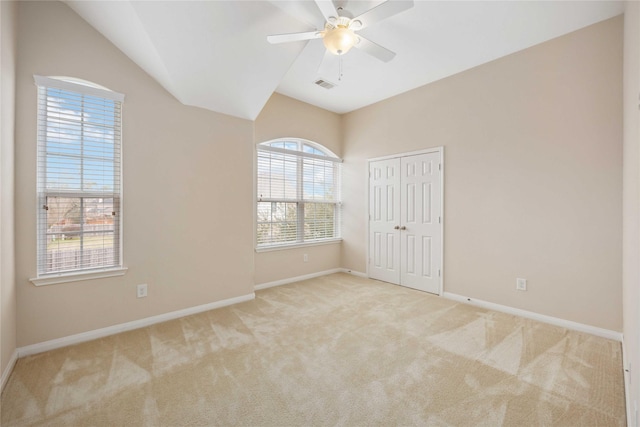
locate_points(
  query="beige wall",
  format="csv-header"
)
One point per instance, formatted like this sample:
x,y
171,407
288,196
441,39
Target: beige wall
x,y
187,189
533,185
286,263
7,236
631,201
286,117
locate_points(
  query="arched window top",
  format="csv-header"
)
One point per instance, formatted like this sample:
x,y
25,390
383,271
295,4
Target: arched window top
x,y
300,145
80,82
78,85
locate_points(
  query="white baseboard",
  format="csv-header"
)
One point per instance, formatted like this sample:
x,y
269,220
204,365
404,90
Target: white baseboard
x,y
568,324
355,273
7,371
128,326
296,279
307,277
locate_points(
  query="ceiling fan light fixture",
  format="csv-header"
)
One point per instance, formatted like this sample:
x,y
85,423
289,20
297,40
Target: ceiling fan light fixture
x,y
339,40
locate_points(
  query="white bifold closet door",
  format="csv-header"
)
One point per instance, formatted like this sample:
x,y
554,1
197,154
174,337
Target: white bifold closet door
x,y
384,220
405,232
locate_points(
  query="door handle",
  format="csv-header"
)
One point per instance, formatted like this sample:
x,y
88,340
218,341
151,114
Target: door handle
x,y
397,227
403,228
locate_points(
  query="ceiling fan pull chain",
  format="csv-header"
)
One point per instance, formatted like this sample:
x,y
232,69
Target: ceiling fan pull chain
x,y
340,68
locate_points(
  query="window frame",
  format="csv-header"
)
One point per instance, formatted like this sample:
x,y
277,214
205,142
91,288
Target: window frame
x,y
84,88
300,154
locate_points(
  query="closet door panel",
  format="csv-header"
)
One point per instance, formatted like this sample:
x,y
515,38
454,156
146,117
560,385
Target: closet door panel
x,y
420,236
384,220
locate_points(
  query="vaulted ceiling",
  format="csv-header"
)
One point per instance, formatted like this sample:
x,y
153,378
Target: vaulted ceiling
x,y
215,55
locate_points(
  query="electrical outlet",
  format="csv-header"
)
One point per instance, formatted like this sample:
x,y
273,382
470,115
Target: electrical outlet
x,y
521,284
306,257
141,290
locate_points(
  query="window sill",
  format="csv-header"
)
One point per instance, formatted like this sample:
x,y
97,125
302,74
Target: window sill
x,y
52,279
297,245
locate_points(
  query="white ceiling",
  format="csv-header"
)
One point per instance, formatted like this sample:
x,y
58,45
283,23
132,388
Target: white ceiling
x,y
214,54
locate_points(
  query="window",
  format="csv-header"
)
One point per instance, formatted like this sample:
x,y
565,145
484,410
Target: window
x,y
298,193
79,188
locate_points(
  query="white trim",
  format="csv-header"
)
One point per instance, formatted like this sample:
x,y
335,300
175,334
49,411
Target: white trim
x,y
121,193
296,200
441,166
76,193
296,279
254,224
409,153
367,218
77,276
77,87
302,140
568,324
627,387
298,245
354,273
7,371
297,153
307,277
128,326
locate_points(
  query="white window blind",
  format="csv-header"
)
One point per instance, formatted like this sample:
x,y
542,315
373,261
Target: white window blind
x,y
79,177
298,193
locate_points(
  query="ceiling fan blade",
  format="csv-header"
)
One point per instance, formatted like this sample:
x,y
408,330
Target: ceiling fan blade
x,y
293,37
383,11
328,10
375,50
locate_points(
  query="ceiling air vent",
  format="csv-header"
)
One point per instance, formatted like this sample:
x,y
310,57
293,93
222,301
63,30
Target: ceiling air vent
x,y
325,84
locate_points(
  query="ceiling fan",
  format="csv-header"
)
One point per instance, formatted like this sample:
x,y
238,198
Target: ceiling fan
x,y
339,33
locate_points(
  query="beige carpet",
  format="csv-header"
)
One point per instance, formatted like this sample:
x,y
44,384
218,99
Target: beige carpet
x,y
337,350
